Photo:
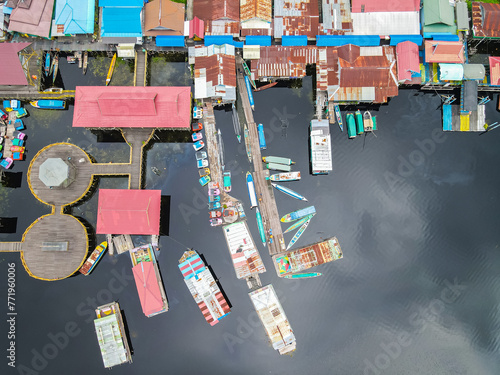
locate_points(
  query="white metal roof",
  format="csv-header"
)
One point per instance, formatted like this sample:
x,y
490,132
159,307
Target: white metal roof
x,y
386,23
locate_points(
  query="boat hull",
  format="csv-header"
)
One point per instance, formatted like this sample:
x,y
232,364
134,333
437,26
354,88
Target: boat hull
x,y
339,118
249,92
303,275
277,160
251,191
290,176
111,69
92,260
298,223
299,214
359,122
262,137
279,167
351,125
49,104
260,225
299,233
289,192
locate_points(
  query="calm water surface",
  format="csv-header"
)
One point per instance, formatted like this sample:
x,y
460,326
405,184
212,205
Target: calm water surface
x,y
416,293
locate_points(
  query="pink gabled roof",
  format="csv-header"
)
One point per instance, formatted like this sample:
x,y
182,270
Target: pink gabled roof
x,y
494,70
132,107
196,27
385,6
147,288
437,51
12,72
35,19
122,211
407,60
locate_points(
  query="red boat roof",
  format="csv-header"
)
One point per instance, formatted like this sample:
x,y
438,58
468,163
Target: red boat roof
x,y
148,288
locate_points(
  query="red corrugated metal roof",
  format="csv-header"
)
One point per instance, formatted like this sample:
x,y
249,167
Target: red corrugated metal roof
x,y
123,211
12,72
279,61
486,19
133,107
148,288
366,6
196,27
495,70
446,52
217,9
34,20
218,66
407,59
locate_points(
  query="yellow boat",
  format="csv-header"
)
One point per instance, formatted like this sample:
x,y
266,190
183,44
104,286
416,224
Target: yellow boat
x,y
111,69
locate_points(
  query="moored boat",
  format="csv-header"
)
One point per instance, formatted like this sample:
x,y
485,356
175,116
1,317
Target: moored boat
x,y
85,62
299,214
303,275
56,68
367,121
47,63
49,104
269,85
351,125
227,181
289,192
203,287
247,143
236,123
279,167
95,257
251,191
249,92
359,122
298,223
260,225
290,176
262,137
277,160
298,234
111,69
339,117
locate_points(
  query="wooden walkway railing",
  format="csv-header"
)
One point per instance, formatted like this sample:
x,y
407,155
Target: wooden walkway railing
x,y
11,246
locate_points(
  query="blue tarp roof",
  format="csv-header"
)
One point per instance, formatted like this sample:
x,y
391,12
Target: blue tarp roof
x,y
121,3
417,39
294,40
77,16
121,22
219,40
450,38
170,41
341,40
258,40
447,117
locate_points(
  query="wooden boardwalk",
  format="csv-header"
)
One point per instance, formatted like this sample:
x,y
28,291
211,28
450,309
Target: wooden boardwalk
x,y
140,67
267,203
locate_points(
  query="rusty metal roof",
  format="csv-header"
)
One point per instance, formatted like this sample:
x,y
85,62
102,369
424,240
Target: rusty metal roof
x,y
279,61
296,17
337,18
260,9
216,10
222,27
486,20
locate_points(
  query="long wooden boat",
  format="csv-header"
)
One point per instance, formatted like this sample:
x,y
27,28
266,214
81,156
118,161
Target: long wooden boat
x,y
359,122
248,74
49,104
289,192
367,121
95,257
78,55
298,223
260,225
51,70
111,70
249,92
56,68
339,117
251,191
262,137
303,275
269,85
247,143
278,167
85,61
351,125
290,176
298,234
236,123
203,287
299,214
277,159
47,63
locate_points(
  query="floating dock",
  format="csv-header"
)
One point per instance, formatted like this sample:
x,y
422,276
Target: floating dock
x,y
307,257
321,147
111,335
273,319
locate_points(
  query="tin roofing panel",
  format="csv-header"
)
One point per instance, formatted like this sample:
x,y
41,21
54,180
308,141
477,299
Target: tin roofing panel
x,y
163,17
386,23
210,10
494,70
12,72
486,20
408,60
260,9
36,19
367,6
336,16
442,51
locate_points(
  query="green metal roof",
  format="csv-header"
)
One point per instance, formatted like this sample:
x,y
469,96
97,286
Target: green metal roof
x,y
439,17
462,16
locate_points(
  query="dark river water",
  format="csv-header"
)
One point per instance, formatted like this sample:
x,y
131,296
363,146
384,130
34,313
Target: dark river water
x,y
414,209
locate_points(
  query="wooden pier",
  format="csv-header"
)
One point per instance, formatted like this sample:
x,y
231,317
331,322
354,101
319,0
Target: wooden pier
x,y
140,67
267,203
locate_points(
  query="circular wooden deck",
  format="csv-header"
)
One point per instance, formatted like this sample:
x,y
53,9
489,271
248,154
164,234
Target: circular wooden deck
x,y
54,265
79,182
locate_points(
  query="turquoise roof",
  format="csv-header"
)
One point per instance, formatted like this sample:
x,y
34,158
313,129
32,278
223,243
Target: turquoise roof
x,y
121,22
77,16
439,17
121,3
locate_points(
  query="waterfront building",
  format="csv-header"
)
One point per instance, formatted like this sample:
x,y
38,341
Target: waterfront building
x,y
440,51
381,17
73,17
283,62
214,72
296,18
438,18
256,17
221,17
121,21
462,14
408,63
494,70
274,320
337,18
112,107
31,17
164,20
12,72
485,18
128,211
